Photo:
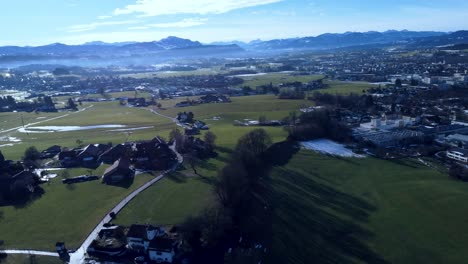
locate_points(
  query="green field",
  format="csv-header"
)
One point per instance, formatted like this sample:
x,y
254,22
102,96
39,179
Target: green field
x,y
166,74
25,259
276,79
61,213
96,114
366,211
327,210
241,107
169,201
338,87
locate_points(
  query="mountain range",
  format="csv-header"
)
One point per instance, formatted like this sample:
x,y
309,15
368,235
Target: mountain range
x,y
174,47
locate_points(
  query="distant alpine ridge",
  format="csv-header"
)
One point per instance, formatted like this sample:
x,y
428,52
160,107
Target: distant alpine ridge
x,y
350,39
168,46
179,47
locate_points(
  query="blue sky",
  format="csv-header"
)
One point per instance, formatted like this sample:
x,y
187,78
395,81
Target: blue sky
x,y
31,22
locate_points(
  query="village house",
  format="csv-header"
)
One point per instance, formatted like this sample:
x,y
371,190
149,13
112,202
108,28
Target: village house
x,y
152,155
111,155
139,236
161,250
200,125
68,157
110,241
457,140
118,172
50,152
458,154
89,156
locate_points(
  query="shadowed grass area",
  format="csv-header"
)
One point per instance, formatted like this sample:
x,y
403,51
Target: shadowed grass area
x,y
365,211
25,259
326,209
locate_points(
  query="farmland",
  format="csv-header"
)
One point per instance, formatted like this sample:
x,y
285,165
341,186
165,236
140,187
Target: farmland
x,y
343,210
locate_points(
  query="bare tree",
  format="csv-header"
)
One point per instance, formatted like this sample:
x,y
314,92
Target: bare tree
x,y
210,140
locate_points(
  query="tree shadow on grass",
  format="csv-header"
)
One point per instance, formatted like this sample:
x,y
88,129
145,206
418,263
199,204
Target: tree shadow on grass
x,y
177,177
403,162
224,150
222,159
347,160
280,153
207,165
25,201
316,223
127,183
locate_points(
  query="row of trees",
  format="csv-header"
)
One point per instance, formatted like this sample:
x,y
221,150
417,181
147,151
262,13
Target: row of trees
x,y
318,124
351,101
241,210
9,104
295,93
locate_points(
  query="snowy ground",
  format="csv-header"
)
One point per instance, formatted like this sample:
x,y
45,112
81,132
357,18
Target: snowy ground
x,y
47,129
330,147
130,129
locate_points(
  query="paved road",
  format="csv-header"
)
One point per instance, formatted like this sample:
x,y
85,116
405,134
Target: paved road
x,y
30,252
79,255
171,118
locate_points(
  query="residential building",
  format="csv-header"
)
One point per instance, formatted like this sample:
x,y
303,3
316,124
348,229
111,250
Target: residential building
x,y
458,154
161,250
118,172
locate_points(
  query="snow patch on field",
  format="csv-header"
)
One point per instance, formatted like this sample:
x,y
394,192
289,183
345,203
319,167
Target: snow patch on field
x,y
330,147
130,129
47,129
10,139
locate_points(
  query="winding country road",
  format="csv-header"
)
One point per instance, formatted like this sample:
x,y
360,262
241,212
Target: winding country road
x,y
30,252
79,255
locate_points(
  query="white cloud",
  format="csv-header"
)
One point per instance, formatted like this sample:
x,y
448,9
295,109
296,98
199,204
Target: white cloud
x,y
139,28
184,23
202,7
104,17
92,26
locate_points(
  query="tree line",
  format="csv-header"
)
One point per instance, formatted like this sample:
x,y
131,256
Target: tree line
x,y
241,210
43,103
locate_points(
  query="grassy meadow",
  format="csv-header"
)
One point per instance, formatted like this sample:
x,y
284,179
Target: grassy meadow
x,y
26,259
111,113
61,213
276,79
338,87
326,209
366,211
